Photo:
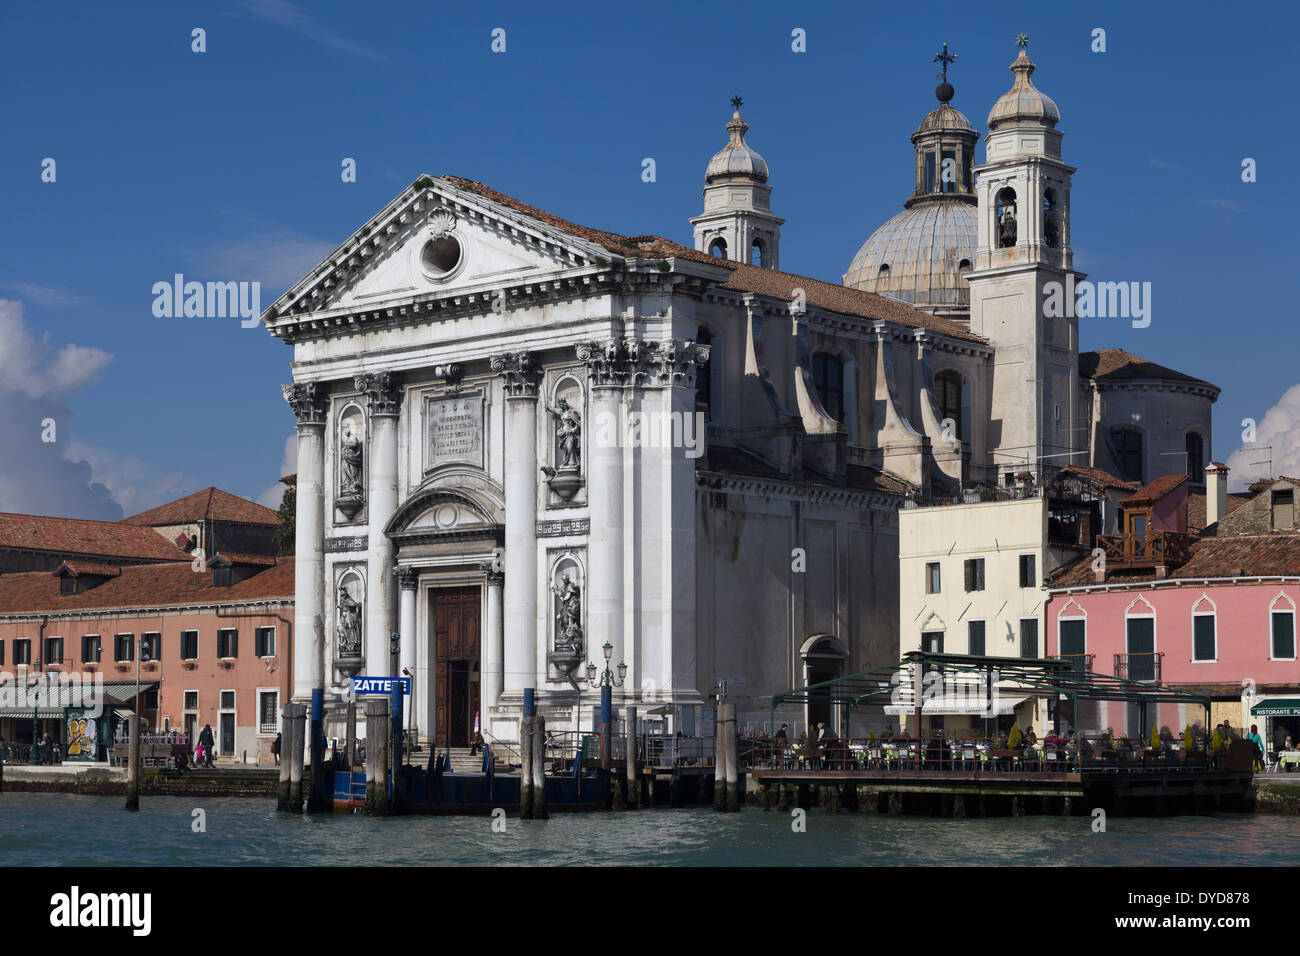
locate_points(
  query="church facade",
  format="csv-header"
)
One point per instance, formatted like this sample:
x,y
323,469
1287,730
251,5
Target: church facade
x,y
521,439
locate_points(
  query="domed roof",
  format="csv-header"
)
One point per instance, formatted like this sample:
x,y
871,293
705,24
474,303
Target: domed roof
x,y
1023,102
736,160
916,257
944,117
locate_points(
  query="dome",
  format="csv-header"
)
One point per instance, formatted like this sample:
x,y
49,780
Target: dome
x,y
1023,102
916,257
736,160
944,117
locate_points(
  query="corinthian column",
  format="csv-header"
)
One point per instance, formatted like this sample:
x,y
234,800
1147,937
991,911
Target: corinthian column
x,y
518,371
493,647
308,403
609,370
384,395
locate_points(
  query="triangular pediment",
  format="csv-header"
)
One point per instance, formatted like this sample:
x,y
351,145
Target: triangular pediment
x,y
433,239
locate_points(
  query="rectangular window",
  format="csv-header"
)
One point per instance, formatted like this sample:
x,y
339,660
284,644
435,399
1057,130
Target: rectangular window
x,y
191,700
124,647
932,578
1028,571
91,649
1203,645
227,643
975,637
67,584
151,646
1029,637
2,653
1283,635
932,642
929,172
1283,510
1072,638
974,574
189,645
22,651
264,642
268,704
53,650
227,700
1140,637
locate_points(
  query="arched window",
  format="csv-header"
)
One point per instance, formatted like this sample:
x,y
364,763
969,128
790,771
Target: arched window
x,y
948,171
884,271
1051,219
718,248
952,398
1127,446
756,253
963,266
1196,458
1005,227
828,378
704,376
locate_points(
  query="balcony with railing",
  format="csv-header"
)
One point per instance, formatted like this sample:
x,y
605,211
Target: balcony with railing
x,y
1147,549
1140,667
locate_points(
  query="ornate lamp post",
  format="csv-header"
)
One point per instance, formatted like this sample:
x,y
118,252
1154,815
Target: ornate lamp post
x,y
607,683
36,721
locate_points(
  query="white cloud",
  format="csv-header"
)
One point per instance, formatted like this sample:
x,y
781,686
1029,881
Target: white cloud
x,y
133,484
277,258
50,296
285,14
288,465
1280,429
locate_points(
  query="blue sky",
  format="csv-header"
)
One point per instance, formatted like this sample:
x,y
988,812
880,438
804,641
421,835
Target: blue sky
x,y
224,165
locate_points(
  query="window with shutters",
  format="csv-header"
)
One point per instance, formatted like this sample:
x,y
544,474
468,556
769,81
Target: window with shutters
x,y
974,574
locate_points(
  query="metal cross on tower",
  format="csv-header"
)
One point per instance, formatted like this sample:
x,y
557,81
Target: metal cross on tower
x,y
945,58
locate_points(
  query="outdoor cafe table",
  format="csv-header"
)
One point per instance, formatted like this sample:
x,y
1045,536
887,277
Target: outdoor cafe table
x,y
1288,759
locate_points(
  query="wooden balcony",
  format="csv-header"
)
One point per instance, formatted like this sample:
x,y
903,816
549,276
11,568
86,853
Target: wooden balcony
x,y
1149,550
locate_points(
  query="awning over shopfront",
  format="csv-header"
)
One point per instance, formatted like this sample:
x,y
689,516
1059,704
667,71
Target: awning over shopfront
x,y
123,695
44,713
937,708
1277,707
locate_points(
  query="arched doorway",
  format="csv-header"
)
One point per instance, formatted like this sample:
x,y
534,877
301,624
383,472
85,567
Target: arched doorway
x,y
824,658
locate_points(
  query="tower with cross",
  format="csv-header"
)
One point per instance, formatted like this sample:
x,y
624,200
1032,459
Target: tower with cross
x,y
737,222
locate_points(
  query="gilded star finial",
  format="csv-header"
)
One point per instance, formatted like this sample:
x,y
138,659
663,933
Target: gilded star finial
x,y
737,102
945,58
1022,40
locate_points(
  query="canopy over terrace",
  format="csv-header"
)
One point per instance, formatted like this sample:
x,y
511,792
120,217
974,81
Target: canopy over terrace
x,y
983,683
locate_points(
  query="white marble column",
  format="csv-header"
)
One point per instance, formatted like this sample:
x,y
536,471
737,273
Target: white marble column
x,y
385,398
407,579
606,376
493,644
518,371
307,400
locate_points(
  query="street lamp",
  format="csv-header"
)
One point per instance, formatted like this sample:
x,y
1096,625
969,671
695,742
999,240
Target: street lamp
x,y
606,684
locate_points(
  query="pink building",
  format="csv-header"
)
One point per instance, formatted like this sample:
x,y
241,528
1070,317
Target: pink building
x,y
1214,614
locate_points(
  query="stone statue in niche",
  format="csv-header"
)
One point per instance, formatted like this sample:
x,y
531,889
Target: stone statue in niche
x,y
565,480
352,491
568,618
349,616
1007,225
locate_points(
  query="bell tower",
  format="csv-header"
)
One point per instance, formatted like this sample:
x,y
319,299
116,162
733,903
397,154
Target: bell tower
x,y
1022,259
737,222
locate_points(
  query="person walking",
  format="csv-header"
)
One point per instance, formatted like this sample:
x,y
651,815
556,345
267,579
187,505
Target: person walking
x,y
207,743
275,748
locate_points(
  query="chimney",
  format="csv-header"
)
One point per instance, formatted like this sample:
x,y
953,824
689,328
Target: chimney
x,y
1216,493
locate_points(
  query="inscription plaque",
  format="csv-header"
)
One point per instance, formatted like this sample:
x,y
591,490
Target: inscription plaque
x,y
454,431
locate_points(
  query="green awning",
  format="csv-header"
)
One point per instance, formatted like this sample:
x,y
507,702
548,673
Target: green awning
x,y
1277,707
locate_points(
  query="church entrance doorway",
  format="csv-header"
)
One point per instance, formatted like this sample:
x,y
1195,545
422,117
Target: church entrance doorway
x,y
824,658
457,615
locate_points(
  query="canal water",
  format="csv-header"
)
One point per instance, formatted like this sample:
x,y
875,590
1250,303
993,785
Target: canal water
x,y
67,830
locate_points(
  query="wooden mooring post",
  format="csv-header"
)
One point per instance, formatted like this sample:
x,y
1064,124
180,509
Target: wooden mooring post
x,y
632,790
297,739
377,802
133,760
286,748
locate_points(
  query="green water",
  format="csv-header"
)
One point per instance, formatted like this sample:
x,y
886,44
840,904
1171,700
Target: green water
x,y
57,829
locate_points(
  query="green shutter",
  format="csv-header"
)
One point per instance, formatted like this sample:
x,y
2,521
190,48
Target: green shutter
x,y
1203,648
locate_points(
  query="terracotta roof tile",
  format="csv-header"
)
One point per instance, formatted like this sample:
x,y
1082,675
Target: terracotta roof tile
x,y
1116,364
142,586
1103,479
1276,554
744,278
211,504
259,560
79,568
100,539
1154,490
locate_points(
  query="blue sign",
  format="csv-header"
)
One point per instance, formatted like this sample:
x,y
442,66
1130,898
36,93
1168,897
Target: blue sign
x,y
380,685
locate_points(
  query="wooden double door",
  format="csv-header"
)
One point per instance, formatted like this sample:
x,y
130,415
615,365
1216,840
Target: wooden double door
x,y
457,616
